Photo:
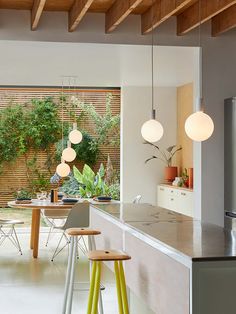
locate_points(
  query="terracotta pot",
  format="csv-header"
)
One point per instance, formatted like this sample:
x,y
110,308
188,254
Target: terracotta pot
x,y
171,173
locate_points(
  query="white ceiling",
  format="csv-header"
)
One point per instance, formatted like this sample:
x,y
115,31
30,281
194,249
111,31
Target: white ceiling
x,y
43,63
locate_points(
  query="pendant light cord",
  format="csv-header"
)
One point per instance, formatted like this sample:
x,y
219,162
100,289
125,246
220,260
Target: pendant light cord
x,y
62,115
152,64
201,102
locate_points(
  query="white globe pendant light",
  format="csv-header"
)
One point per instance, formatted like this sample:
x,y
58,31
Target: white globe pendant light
x,y
152,130
199,126
63,170
69,153
75,136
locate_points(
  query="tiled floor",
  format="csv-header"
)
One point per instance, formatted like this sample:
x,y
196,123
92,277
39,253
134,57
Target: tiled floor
x,y
36,286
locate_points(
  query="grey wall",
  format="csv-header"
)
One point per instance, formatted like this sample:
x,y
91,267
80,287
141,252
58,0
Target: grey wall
x,y
219,67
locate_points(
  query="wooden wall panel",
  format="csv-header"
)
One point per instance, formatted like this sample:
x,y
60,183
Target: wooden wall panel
x,y
184,109
14,176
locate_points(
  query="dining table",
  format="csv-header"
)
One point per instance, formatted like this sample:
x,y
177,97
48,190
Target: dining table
x,y
36,206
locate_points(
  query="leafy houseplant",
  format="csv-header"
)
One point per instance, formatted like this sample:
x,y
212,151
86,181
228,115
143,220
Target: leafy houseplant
x,y
166,156
91,184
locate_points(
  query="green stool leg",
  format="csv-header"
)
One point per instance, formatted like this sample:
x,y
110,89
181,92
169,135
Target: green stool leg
x,y
123,289
91,290
96,289
118,288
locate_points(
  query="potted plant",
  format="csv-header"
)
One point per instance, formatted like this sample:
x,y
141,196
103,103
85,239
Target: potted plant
x,y
166,156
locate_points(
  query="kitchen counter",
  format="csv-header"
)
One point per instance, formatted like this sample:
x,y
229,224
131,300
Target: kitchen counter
x,y
184,235
178,264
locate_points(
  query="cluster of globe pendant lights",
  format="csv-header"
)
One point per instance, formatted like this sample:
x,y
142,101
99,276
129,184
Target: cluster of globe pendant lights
x,y
69,154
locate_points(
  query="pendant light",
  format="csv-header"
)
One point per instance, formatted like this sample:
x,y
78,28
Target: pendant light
x,y
152,130
199,126
75,136
63,170
69,153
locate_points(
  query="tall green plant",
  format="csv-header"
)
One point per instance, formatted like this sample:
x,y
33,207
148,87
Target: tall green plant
x,y
107,126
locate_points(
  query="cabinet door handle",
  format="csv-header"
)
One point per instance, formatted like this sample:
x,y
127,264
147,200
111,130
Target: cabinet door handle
x,y
172,191
161,189
182,193
172,199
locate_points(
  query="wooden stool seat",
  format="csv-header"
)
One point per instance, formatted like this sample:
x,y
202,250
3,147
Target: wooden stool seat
x,y
108,255
82,232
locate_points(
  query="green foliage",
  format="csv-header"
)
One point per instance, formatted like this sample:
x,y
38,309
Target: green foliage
x,y
23,194
13,128
114,191
44,126
70,186
107,126
164,156
91,184
87,151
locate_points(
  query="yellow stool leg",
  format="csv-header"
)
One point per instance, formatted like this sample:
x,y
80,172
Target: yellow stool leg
x,y
96,289
118,288
91,290
123,289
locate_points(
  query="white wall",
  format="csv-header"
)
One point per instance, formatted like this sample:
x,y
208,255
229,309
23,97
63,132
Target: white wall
x,y
138,178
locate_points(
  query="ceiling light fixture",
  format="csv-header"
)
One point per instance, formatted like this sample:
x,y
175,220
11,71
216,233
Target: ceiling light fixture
x,y
199,126
152,130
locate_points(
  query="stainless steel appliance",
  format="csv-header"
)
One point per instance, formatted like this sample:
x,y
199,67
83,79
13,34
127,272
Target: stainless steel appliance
x,y
230,163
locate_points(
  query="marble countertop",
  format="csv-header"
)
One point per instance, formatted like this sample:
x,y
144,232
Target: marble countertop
x,y
184,235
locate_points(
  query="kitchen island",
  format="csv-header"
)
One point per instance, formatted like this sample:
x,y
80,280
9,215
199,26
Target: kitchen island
x,y
179,265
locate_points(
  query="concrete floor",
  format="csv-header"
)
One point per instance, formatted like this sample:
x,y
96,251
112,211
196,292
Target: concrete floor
x,y
36,286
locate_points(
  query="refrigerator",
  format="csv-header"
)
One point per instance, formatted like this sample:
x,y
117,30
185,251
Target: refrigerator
x,y
230,163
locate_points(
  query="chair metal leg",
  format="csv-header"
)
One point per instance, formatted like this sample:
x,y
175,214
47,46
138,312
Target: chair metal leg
x,y
123,288
92,246
91,290
68,276
72,275
118,287
14,234
96,289
57,251
49,234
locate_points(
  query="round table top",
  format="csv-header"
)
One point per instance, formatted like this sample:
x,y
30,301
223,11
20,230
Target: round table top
x,y
41,204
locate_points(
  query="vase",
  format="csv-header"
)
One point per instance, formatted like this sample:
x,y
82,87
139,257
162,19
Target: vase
x,y
171,173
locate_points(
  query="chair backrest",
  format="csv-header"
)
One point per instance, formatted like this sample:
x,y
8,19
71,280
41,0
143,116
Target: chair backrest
x,y
78,216
137,199
51,213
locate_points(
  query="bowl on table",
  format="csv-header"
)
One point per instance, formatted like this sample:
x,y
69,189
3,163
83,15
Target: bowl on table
x,y
102,199
70,201
23,200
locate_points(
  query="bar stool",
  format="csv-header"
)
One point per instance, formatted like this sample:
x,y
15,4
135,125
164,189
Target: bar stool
x,y
101,256
74,233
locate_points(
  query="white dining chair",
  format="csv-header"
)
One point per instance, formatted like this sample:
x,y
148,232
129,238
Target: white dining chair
x,y
8,231
54,218
78,217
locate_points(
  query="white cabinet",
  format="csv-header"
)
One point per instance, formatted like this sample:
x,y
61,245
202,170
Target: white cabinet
x,y
176,199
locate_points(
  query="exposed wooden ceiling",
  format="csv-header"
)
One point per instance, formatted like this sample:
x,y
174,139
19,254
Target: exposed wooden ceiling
x,y
222,13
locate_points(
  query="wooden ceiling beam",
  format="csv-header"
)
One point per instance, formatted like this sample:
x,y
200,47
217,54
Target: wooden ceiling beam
x,y
77,12
190,18
118,12
224,21
161,11
36,13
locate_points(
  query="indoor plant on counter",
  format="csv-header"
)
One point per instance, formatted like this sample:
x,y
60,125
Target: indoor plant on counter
x,y
166,156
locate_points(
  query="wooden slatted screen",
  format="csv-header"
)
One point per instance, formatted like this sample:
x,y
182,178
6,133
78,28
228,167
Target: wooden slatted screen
x,y
14,176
